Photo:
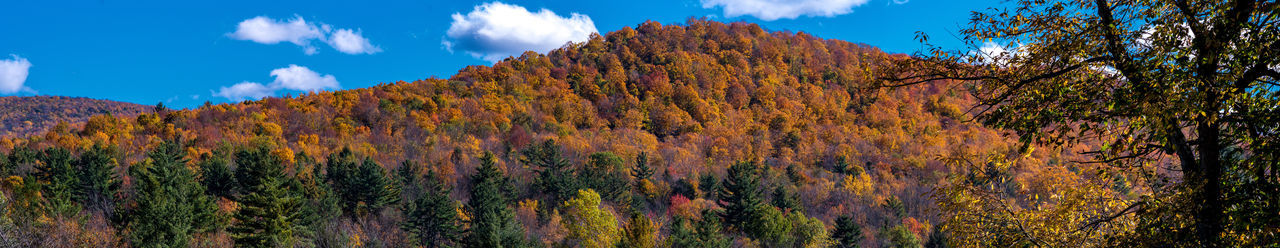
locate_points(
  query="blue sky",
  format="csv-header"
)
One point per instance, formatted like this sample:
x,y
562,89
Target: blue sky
x,y
184,53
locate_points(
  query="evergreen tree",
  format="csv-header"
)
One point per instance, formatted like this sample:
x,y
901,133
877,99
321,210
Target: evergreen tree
x,y
270,214
705,232
98,180
642,170
215,175
741,194
170,204
493,222
432,218
59,181
363,186
374,190
555,177
784,199
605,174
847,234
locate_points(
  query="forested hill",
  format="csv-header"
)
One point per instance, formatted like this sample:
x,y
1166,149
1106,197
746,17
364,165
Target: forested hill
x,y
27,115
776,134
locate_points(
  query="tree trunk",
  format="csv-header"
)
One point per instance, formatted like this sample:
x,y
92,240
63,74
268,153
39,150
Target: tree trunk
x,y
1209,220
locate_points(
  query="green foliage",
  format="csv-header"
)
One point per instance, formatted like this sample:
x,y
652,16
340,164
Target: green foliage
x,y
900,237
432,219
170,205
848,233
589,224
270,213
363,187
639,232
215,175
741,195
605,174
59,180
493,223
705,232
555,177
785,199
769,226
98,181
808,232
642,171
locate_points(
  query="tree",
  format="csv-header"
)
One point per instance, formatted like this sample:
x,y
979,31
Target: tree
x,y
215,175
900,237
808,232
741,194
1189,84
589,224
639,232
493,223
59,180
270,214
432,219
555,177
98,181
769,226
784,199
847,234
705,232
170,205
604,174
363,186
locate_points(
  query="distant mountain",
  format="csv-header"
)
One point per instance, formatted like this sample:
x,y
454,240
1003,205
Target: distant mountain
x,y
27,115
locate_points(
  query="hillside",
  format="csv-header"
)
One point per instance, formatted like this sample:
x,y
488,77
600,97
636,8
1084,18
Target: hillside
x,y
694,98
27,115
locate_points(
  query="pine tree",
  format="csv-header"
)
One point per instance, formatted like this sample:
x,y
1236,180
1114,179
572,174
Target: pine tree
x,y
363,186
432,219
373,190
642,170
270,214
605,174
740,194
170,204
848,234
555,177
98,181
58,179
705,232
215,175
784,199
493,222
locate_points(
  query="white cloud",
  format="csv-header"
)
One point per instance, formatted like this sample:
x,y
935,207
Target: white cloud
x,y
995,53
350,42
13,74
769,10
300,32
294,77
245,91
495,30
301,78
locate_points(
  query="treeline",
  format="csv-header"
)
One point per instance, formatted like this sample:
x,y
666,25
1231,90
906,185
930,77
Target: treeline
x,y
28,115
712,133
246,197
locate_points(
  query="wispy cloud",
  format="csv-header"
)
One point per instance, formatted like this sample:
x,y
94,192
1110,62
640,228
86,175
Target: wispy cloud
x,y
293,77
769,10
299,31
495,30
